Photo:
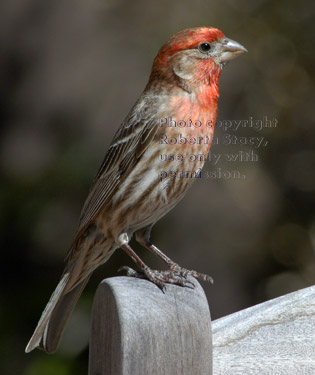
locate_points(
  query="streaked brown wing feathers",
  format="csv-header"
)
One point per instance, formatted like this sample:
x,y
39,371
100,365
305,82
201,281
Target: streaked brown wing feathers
x,y
128,145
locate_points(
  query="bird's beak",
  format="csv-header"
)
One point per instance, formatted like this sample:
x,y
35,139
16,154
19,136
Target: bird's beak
x,y
229,49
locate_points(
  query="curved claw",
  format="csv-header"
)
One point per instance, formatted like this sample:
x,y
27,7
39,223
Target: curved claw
x,y
186,283
130,272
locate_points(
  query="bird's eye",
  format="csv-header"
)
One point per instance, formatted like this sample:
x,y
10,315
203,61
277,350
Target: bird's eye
x,y
204,47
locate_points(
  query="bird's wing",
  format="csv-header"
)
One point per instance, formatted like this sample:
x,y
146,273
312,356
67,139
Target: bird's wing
x,y
130,141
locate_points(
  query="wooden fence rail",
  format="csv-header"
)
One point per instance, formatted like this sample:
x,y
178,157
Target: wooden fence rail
x,y
138,330
276,337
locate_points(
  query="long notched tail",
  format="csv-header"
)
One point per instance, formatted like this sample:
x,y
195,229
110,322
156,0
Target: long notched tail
x,y
51,325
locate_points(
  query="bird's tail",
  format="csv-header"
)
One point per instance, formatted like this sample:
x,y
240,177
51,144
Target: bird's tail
x,y
57,311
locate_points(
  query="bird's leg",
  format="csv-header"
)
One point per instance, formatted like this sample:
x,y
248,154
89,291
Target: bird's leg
x,y
143,238
160,278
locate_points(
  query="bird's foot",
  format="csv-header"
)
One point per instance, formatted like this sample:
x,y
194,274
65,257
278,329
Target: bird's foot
x,y
161,278
184,273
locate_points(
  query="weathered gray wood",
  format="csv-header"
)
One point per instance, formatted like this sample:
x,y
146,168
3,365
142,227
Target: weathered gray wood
x,y
273,338
138,330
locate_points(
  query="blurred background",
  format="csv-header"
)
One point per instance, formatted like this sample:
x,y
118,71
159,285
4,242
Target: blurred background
x,y
70,71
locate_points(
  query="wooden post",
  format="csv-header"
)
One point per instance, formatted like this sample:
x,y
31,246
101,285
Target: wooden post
x,y
273,338
139,330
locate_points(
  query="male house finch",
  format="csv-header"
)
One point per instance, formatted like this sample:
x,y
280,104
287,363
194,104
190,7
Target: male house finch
x,y
134,188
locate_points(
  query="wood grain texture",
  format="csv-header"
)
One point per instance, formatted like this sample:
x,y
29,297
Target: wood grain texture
x,y
273,338
139,330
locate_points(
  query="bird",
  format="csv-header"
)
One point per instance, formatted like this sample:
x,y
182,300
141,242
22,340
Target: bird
x,y
133,188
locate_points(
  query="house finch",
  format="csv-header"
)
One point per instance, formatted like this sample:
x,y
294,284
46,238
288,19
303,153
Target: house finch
x,y
135,187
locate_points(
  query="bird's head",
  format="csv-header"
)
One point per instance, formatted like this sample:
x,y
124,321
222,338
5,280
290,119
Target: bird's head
x,y
194,57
